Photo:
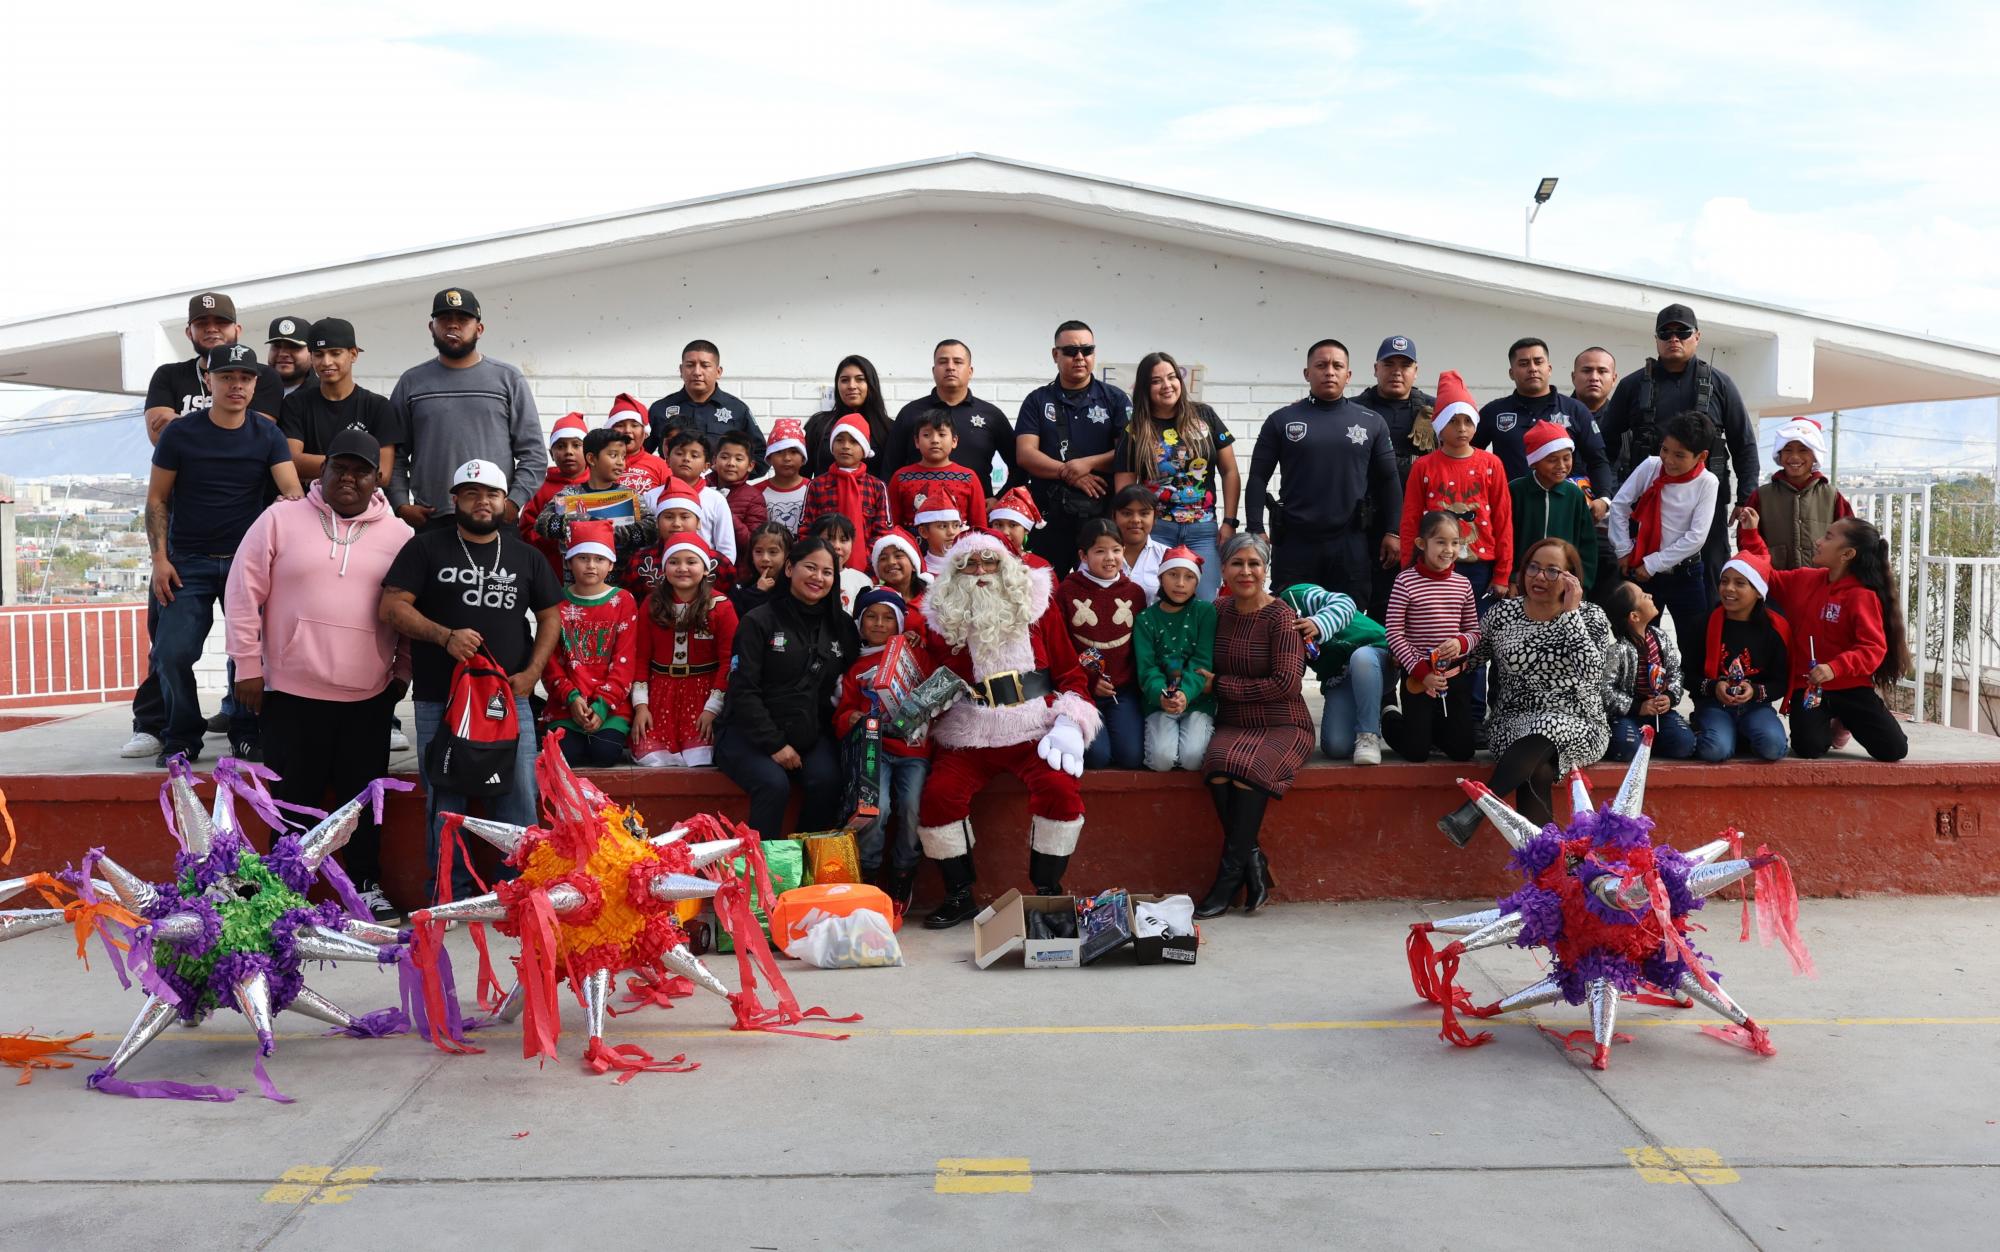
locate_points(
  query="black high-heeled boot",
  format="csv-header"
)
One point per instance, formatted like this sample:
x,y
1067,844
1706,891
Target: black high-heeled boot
x,y
1462,823
1229,874
958,905
1249,819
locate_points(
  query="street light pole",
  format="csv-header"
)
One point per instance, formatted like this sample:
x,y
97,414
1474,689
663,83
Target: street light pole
x,y
1543,190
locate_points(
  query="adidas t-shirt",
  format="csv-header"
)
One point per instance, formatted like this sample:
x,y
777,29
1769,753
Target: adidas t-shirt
x,y
497,600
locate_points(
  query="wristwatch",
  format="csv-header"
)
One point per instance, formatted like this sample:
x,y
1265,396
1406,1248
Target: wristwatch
x,y
1235,522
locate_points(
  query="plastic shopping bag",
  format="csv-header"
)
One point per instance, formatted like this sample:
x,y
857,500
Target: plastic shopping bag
x,y
858,940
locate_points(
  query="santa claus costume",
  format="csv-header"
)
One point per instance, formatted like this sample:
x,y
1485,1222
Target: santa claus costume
x,y
992,619
683,663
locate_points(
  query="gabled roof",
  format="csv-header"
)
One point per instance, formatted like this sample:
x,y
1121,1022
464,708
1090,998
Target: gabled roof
x,y
1816,362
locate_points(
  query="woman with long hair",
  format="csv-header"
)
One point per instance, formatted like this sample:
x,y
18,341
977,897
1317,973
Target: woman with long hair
x,y
857,388
1180,451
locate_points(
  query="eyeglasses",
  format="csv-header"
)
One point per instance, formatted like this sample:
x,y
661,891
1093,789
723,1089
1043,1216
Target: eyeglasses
x,y
1545,571
1674,332
981,560
1074,350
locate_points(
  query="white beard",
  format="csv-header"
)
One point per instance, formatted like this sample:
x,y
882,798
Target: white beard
x,y
987,620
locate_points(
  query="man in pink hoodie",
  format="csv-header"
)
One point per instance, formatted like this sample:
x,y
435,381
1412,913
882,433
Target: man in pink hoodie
x,y
312,660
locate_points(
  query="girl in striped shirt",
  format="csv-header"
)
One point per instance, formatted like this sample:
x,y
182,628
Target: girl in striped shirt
x,y
1433,624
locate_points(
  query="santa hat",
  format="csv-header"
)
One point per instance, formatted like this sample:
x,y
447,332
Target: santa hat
x,y
627,408
979,539
1180,556
856,425
882,595
943,513
1547,439
1018,507
896,537
1756,571
1801,430
682,492
685,542
1452,399
569,426
590,537
786,433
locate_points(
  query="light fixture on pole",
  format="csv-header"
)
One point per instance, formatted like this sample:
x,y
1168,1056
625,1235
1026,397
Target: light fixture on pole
x,y
1543,190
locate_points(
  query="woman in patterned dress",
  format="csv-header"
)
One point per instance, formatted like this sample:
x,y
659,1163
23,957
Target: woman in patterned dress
x,y
1262,730
1547,646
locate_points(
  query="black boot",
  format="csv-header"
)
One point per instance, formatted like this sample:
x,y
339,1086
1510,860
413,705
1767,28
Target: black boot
x,y
958,904
899,885
1229,874
1462,823
1045,871
1248,814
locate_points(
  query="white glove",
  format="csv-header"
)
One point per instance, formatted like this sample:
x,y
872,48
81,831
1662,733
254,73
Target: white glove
x,y
1063,746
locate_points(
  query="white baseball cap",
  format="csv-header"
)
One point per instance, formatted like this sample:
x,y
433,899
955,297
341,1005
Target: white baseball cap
x,y
482,473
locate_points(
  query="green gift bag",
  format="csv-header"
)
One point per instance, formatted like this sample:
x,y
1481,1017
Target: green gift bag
x,y
785,859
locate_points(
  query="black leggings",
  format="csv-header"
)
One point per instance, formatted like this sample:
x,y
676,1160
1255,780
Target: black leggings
x,y
1425,722
1527,767
1859,709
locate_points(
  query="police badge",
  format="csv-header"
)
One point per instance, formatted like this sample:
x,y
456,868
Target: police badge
x,y
1295,431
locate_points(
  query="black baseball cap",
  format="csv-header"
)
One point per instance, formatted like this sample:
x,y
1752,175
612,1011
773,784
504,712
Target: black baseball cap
x,y
1675,314
331,332
288,329
455,300
230,356
211,304
1397,345
358,444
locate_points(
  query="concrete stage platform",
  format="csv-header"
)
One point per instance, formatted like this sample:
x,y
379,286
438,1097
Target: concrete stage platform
x,y
1928,825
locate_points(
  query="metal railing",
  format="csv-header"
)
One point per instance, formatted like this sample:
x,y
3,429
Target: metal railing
x,y
67,652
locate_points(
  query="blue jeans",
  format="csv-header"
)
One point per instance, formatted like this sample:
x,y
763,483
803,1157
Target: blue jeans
x,y
585,750
1177,742
518,807
1354,704
1719,731
1122,742
1673,739
184,627
901,792
1200,538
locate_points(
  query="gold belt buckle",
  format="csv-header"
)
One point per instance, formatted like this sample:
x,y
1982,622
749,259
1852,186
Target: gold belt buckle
x,y
1013,676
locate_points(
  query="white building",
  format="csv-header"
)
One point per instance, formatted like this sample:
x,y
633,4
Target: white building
x,y
789,278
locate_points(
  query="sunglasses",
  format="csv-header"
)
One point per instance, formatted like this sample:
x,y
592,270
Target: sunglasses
x,y
1674,332
1074,350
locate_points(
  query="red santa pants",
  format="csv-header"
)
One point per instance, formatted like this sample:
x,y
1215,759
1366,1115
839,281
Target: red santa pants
x,y
958,774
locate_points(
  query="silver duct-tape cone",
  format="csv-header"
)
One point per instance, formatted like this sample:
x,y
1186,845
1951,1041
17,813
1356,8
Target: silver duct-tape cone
x,y
1493,934
675,835
1535,994
1466,923
310,1003
17,922
370,932
486,908
1717,1001
331,835
1708,853
689,966
1579,793
502,835
190,817
177,928
1515,828
1602,998
1705,880
683,887
1631,797
155,1015
132,891
253,1000
1631,898
510,1008
702,855
317,943
596,995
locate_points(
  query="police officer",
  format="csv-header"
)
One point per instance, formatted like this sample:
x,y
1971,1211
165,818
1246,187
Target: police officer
x,y
1407,411
1338,461
702,407
1675,382
1504,423
1064,439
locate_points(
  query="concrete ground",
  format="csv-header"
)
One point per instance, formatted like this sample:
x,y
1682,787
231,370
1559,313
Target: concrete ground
x,y
1285,1092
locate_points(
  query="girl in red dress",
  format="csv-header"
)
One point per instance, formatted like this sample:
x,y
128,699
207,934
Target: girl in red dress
x,y
685,638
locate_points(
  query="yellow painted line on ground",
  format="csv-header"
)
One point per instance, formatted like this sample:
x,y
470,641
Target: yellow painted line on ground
x,y
983,1175
320,1184
1192,1028
1698,1166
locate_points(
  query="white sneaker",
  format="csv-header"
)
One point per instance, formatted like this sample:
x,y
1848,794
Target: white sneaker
x,y
398,741
141,744
1367,749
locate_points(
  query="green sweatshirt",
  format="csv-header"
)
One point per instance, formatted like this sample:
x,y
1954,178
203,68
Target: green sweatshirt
x,y
1165,640
1563,513
1341,629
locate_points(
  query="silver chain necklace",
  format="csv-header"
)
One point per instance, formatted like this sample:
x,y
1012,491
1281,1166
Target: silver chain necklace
x,y
483,574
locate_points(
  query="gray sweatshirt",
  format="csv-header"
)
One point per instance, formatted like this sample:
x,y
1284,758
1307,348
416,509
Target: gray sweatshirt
x,y
452,416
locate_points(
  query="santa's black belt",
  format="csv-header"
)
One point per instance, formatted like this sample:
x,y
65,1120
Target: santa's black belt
x,y
1012,687
686,671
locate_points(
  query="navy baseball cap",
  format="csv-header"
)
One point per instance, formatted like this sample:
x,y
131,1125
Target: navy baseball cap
x,y
1397,345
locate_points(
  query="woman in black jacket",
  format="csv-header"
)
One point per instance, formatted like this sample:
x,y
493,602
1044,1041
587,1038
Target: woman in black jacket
x,y
776,726
857,388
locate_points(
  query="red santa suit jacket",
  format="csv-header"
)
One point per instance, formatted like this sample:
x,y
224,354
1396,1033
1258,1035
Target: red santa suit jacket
x,y
1047,646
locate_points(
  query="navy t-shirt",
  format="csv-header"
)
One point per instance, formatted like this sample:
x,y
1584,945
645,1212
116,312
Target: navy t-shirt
x,y
1097,416
222,479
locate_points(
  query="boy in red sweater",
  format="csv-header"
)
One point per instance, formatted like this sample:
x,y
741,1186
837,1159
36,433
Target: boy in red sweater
x,y
644,473
733,458
1101,604
589,676
566,466
847,488
935,483
882,615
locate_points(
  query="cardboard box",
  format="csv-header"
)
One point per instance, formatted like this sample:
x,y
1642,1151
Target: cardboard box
x,y
1002,927
1157,950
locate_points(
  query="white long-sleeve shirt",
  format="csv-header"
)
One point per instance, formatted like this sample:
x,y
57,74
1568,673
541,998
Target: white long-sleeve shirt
x,y
1687,510
718,527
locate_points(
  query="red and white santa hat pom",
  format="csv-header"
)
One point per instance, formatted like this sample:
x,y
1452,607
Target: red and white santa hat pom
x,y
1547,439
787,434
1453,398
626,408
979,539
853,424
685,542
1801,430
944,512
1018,507
896,537
569,426
590,537
1180,556
1755,570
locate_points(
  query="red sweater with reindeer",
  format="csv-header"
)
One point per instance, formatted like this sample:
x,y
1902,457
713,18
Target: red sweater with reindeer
x,y
1474,490
1100,617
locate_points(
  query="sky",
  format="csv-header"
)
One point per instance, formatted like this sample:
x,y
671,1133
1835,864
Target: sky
x,y
1832,157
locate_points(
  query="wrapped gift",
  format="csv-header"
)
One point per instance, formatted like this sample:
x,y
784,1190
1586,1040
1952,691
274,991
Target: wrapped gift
x,y
832,856
861,755
931,697
785,860
1105,922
